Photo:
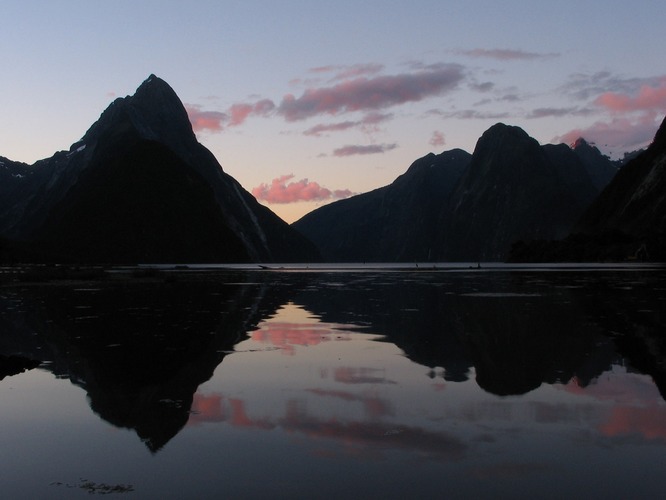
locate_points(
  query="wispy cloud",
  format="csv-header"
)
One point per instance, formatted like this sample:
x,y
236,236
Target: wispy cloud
x,y
586,86
559,112
351,150
619,133
368,123
437,140
505,54
281,190
344,72
369,94
352,91
482,87
469,114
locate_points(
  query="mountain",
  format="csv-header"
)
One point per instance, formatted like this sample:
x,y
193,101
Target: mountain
x,y
626,221
635,202
138,187
599,167
398,222
461,207
513,189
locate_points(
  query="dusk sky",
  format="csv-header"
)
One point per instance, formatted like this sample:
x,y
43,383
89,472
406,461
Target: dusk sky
x,y
303,100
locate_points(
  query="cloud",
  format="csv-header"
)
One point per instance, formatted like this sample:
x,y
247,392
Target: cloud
x,y
650,97
351,71
368,123
620,133
366,94
437,139
216,121
510,98
239,112
558,112
353,90
505,54
352,150
282,191
584,86
482,87
213,121
469,114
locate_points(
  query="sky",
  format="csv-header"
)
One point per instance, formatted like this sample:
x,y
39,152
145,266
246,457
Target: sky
x,y
308,102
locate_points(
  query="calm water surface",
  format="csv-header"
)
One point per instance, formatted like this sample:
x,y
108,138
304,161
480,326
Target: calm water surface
x,y
354,383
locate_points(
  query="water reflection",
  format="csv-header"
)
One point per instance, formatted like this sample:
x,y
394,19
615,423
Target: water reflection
x,y
473,369
139,350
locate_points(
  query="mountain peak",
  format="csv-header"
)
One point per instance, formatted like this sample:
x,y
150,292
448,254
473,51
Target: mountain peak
x,y
155,88
155,112
501,136
579,143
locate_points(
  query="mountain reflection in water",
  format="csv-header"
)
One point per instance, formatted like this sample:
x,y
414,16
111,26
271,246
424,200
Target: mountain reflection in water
x,y
374,367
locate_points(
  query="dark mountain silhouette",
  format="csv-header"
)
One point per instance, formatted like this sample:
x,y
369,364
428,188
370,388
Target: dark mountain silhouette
x,y
398,222
626,221
461,207
513,189
138,187
635,202
599,167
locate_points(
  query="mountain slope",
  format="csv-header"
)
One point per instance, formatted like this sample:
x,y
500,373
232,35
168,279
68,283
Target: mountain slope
x,y
600,168
397,222
635,202
138,187
626,221
513,189
460,207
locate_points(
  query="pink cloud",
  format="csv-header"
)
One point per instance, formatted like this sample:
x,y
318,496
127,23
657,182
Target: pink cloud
x,y
649,98
213,121
352,150
371,93
239,112
282,191
437,139
505,54
368,123
620,133
216,121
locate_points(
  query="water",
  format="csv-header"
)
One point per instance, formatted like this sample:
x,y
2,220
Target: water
x,y
336,382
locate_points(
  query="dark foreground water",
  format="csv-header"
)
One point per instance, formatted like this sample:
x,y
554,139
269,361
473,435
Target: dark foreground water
x,y
523,383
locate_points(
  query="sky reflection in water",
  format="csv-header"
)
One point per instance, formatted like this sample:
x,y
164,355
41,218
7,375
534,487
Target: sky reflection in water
x,y
386,384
